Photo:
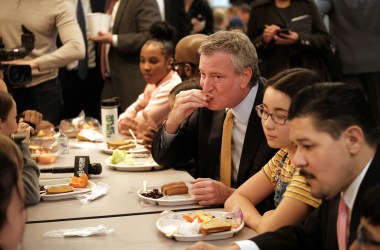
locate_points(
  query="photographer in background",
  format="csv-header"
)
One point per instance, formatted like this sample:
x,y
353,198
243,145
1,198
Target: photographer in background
x,y
45,19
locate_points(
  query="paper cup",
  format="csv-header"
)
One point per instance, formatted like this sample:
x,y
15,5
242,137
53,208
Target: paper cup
x,y
98,22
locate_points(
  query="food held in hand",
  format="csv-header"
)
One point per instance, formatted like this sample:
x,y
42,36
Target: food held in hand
x,y
79,182
175,188
155,194
121,144
59,189
215,226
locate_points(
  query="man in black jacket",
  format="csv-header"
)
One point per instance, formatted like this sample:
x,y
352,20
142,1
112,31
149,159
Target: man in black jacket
x,y
337,151
230,79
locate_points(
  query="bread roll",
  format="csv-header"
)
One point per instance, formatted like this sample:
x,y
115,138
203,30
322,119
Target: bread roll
x,y
175,188
172,184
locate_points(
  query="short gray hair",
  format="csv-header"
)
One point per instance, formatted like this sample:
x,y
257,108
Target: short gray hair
x,y
237,44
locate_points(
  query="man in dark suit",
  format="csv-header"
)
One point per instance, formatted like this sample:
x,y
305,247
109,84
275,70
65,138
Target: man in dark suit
x,y
193,130
337,151
175,15
131,22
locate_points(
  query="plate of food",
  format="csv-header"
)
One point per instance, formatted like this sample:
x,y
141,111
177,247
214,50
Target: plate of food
x,y
124,144
124,161
200,225
60,189
171,194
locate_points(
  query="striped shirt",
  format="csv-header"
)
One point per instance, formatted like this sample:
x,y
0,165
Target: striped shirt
x,y
287,181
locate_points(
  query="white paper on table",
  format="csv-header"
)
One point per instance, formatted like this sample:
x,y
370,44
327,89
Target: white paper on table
x,y
80,231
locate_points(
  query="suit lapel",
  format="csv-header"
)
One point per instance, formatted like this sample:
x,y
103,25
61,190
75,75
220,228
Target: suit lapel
x,y
212,127
371,178
252,139
120,12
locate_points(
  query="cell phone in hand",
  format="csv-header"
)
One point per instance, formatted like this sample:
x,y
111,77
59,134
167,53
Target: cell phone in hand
x,y
282,31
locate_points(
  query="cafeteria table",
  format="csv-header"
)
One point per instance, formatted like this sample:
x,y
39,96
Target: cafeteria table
x,y
121,199
130,232
133,221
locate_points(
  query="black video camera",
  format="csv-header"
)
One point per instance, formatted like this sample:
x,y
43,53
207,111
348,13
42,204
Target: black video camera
x,y
17,76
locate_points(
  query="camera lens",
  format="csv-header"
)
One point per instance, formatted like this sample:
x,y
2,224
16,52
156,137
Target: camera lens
x,y
18,75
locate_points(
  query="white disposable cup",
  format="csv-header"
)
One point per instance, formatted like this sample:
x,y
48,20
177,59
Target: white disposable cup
x,y
98,22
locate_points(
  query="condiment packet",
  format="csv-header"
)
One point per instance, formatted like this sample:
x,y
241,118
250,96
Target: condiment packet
x,y
99,190
80,231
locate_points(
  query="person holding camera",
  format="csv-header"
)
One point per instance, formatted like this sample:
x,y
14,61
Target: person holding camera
x,y
45,20
288,34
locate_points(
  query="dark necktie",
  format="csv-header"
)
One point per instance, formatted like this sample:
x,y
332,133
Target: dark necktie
x,y
82,64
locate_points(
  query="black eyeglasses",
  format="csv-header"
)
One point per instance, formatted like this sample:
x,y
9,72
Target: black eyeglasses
x,y
278,119
363,240
175,64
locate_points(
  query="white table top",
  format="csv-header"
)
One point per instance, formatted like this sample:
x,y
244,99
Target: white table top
x,y
134,223
130,232
121,198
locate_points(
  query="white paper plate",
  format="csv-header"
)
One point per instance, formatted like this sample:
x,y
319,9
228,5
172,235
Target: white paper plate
x,y
142,164
137,150
63,196
172,200
168,224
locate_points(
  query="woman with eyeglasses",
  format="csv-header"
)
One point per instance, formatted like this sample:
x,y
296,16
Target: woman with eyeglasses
x,y
292,196
152,107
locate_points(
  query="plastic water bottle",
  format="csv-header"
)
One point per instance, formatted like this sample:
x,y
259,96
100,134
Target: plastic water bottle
x,y
63,142
109,112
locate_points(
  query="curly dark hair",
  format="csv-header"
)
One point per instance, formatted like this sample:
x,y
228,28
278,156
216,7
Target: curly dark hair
x,y
163,34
